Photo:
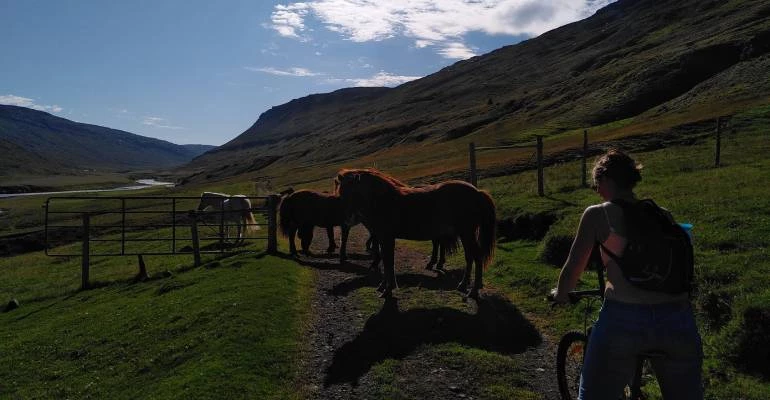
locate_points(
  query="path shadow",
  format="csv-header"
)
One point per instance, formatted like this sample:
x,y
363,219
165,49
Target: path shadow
x,y
446,280
392,334
332,263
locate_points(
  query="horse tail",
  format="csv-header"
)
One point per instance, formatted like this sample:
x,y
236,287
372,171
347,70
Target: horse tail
x,y
285,215
251,222
487,228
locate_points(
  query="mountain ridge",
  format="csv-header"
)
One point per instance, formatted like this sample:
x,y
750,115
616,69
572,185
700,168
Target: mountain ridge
x,y
47,144
634,59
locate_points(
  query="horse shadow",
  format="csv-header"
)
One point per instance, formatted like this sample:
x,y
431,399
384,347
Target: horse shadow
x,y
497,326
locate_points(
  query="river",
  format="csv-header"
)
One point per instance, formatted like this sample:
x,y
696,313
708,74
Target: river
x,y
140,184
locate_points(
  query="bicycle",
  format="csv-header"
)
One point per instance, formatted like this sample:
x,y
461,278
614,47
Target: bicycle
x,y
571,350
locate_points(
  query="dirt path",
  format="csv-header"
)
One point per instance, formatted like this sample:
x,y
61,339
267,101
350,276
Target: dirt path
x,y
340,353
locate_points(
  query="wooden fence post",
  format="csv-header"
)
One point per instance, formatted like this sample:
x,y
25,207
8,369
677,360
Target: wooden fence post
x,y
540,190
195,241
719,142
142,275
585,158
472,161
85,262
272,223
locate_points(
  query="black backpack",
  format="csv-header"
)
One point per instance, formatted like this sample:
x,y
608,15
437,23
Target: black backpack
x,y
658,255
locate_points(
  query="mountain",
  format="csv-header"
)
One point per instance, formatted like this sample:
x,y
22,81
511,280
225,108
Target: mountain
x,y
639,65
37,142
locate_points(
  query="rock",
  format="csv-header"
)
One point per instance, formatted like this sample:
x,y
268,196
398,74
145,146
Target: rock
x,y
12,305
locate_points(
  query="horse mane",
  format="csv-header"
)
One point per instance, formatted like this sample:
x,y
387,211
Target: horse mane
x,y
397,185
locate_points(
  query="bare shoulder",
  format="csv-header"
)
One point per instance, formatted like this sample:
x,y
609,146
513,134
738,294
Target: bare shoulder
x,y
593,213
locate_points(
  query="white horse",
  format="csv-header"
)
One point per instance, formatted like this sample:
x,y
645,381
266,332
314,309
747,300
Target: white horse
x,y
230,209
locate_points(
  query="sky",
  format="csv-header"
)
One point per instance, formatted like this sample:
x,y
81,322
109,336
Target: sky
x,y
201,72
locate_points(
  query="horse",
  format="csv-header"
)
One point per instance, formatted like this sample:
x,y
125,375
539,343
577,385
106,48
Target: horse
x,y
438,253
304,209
448,209
230,209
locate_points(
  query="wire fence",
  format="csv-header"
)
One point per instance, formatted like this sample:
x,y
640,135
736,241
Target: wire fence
x,y
722,131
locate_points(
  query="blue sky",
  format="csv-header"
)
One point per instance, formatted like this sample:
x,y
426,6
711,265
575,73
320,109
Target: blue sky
x,y
203,71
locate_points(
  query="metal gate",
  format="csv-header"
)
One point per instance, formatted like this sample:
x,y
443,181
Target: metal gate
x,y
125,226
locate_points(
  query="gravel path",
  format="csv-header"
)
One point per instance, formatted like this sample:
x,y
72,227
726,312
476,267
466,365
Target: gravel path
x,y
339,355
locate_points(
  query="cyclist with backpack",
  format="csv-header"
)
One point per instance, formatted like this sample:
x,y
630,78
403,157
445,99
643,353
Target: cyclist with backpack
x,y
648,261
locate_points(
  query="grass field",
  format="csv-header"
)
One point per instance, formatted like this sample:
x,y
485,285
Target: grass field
x,y
229,329
234,327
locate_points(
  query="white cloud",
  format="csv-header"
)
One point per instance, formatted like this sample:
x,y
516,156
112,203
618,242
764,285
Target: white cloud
x,y
439,23
456,50
289,20
289,72
158,122
378,80
13,100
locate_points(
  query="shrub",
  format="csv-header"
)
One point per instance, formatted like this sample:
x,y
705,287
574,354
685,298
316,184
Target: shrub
x,y
744,340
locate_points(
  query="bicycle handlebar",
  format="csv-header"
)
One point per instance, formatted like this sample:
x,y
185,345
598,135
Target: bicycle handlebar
x,y
576,295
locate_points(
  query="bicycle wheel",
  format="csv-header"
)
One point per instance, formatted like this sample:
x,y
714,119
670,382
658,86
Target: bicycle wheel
x,y
569,362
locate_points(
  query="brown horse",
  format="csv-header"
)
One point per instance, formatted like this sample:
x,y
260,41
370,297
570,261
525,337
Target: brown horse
x,y
448,209
440,246
305,209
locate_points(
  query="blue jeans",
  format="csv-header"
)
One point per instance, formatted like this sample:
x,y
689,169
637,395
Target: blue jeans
x,y
625,330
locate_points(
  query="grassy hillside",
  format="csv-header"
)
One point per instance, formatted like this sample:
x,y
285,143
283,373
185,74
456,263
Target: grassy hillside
x,y
635,67
233,326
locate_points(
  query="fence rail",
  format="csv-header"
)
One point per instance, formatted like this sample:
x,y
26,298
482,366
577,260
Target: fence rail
x,y
722,123
138,226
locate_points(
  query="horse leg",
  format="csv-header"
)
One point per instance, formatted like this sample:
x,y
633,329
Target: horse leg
x,y
478,282
330,236
376,254
345,230
441,257
466,241
292,246
370,243
433,255
387,247
306,237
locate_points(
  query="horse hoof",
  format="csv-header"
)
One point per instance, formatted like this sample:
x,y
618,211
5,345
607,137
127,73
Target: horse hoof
x,y
429,267
473,294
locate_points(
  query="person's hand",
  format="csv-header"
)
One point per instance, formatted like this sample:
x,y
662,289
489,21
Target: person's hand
x,y
558,298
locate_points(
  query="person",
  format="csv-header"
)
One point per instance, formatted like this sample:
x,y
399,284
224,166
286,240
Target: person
x,y
632,320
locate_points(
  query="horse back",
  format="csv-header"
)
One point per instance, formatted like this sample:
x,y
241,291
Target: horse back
x,y
314,208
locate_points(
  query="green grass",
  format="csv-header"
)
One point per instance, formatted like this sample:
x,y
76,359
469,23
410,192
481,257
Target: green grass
x,y
230,329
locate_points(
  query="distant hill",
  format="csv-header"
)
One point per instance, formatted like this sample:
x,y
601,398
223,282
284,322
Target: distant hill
x,y
634,62
37,142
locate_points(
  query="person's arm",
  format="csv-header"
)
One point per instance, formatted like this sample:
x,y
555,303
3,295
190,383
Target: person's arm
x,y
578,257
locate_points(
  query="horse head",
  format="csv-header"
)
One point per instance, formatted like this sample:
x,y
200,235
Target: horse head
x,y
361,190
